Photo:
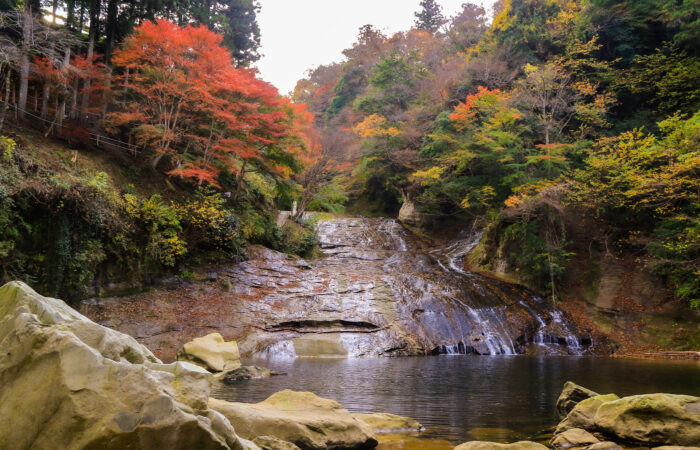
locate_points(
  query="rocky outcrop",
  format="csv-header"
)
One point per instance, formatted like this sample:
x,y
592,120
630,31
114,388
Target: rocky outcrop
x,y
246,373
302,418
570,396
482,445
66,382
212,353
410,215
649,420
378,291
389,423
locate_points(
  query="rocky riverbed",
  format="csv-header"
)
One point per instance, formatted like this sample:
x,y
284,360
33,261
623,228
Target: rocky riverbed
x,y
68,382
376,291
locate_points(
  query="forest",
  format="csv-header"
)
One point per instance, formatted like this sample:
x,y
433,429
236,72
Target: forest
x,y
560,128
554,119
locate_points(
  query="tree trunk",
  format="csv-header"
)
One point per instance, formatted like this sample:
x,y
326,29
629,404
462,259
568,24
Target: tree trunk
x,y
111,30
61,110
70,14
92,37
6,104
239,181
46,94
24,59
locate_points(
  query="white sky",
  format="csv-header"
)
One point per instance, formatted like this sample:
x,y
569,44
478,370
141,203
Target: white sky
x,y
297,35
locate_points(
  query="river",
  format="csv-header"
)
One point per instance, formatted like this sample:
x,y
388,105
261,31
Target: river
x,y
461,398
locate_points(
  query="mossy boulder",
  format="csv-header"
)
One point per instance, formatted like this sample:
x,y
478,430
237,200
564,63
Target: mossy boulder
x,y
583,414
212,353
67,382
573,437
302,418
651,420
570,396
482,445
245,373
389,423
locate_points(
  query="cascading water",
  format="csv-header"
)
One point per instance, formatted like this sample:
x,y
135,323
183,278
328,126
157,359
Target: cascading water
x,y
382,291
478,314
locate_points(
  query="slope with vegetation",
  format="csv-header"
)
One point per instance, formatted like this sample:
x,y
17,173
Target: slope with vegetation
x,y
164,153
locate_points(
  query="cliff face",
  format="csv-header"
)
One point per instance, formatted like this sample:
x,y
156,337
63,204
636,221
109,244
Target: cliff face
x,y
610,291
377,291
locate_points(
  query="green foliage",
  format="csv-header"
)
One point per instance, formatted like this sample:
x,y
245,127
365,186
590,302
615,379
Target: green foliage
x,y
668,80
7,149
390,86
330,198
346,89
296,238
208,223
156,229
537,261
430,17
646,187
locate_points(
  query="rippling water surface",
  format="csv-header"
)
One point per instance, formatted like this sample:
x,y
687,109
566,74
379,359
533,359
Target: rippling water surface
x,y
462,398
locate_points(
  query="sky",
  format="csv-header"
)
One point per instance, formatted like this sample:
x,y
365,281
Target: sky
x,y
298,35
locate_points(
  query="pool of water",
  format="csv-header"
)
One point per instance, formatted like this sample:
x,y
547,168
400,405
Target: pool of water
x,y
461,398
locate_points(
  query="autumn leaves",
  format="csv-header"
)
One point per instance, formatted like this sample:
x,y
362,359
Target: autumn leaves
x,y
182,97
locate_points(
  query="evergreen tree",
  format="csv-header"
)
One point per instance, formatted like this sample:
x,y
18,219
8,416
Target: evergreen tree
x,y
430,17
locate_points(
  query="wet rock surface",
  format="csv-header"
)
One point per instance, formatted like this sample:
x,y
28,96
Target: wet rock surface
x,y
377,291
389,423
246,373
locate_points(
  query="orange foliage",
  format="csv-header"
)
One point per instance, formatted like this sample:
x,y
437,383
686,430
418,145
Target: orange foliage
x,y
186,100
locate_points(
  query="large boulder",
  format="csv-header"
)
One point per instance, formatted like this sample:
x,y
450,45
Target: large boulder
x,y
651,420
302,418
410,215
583,414
66,382
483,445
389,423
212,353
573,437
570,396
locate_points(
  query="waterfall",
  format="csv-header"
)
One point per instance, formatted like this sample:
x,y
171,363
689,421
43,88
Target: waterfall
x,y
384,291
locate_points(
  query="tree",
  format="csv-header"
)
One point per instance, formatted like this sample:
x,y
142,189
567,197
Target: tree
x,y
467,27
430,17
645,189
184,100
241,31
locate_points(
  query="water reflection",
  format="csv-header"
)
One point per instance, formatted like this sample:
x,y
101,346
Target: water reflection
x,y
465,398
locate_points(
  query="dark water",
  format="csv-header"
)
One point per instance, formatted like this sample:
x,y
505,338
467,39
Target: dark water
x,y
465,398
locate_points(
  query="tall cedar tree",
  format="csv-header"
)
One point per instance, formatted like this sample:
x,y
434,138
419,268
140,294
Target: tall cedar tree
x,y
430,17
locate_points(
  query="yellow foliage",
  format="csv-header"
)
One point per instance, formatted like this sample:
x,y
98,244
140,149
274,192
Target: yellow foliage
x,y
375,126
428,177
